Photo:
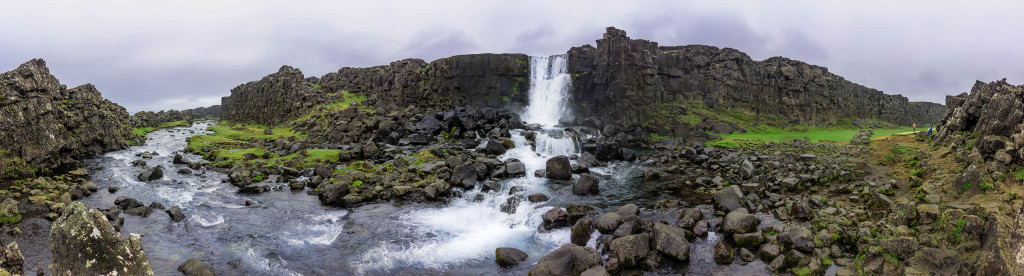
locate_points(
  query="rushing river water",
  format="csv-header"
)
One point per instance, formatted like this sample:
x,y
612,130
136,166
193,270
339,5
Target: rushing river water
x,y
291,233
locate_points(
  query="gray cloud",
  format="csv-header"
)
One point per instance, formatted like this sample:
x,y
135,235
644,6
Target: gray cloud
x,y
149,55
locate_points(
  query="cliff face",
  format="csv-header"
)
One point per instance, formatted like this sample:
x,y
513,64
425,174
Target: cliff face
x,y
483,80
624,80
986,125
272,99
45,126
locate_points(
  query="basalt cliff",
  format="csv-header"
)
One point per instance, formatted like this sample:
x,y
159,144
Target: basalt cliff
x,y
44,126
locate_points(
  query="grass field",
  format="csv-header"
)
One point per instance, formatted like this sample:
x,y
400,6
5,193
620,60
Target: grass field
x,y
814,134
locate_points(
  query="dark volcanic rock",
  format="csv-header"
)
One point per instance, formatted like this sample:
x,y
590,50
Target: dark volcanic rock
x,y
586,185
48,126
555,218
175,214
150,174
84,243
558,168
616,81
509,257
570,259
271,100
193,267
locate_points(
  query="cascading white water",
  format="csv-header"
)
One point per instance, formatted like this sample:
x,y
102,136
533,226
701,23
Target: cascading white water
x,y
549,87
469,229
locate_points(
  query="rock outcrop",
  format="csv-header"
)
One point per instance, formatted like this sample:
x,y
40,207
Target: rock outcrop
x,y
272,99
482,80
84,243
46,127
630,80
985,130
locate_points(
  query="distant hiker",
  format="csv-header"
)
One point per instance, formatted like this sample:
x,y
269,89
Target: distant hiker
x,y
915,127
929,129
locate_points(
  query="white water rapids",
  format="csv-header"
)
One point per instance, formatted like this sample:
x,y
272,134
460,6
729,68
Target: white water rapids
x,y
468,230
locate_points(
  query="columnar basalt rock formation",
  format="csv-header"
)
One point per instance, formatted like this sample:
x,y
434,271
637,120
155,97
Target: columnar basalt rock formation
x,y
625,80
45,126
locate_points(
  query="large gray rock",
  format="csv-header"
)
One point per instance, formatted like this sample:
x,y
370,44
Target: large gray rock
x,y
84,243
193,267
586,185
729,198
630,250
671,241
555,218
608,222
331,192
581,231
465,176
509,257
175,214
740,221
11,260
799,238
150,174
570,259
558,168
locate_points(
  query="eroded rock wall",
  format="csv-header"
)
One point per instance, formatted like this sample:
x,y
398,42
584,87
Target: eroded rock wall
x,y
986,125
272,99
482,80
45,126
624,80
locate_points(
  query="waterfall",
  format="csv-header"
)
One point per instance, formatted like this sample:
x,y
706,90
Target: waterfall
x,y
549,87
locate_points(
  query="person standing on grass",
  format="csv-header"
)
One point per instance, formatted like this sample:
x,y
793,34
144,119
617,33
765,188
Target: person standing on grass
x,y
929,129
915,127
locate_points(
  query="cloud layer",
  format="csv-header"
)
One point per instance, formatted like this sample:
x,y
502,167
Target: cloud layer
x,y
155,55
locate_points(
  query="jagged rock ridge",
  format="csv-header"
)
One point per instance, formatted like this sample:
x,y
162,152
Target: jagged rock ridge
x,y
625,80
45,126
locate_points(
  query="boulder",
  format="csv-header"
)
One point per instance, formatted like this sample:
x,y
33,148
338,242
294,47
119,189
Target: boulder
x,y
688,218
799,238
175,214
178,159
740,222
570,259
671,241
595,271
150,174
331,192
11,260
509,257
586,185
141,211
723,253
555,218
628,210
748,240
9,211
193,267
581,231
607,223
84,243
493,146
465,176
558,168
537,197
515,169
729,198
631,249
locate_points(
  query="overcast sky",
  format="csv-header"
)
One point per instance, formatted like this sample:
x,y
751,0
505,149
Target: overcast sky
x,y
154,55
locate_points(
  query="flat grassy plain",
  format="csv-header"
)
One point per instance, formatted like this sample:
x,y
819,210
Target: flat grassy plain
x,y
813,134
